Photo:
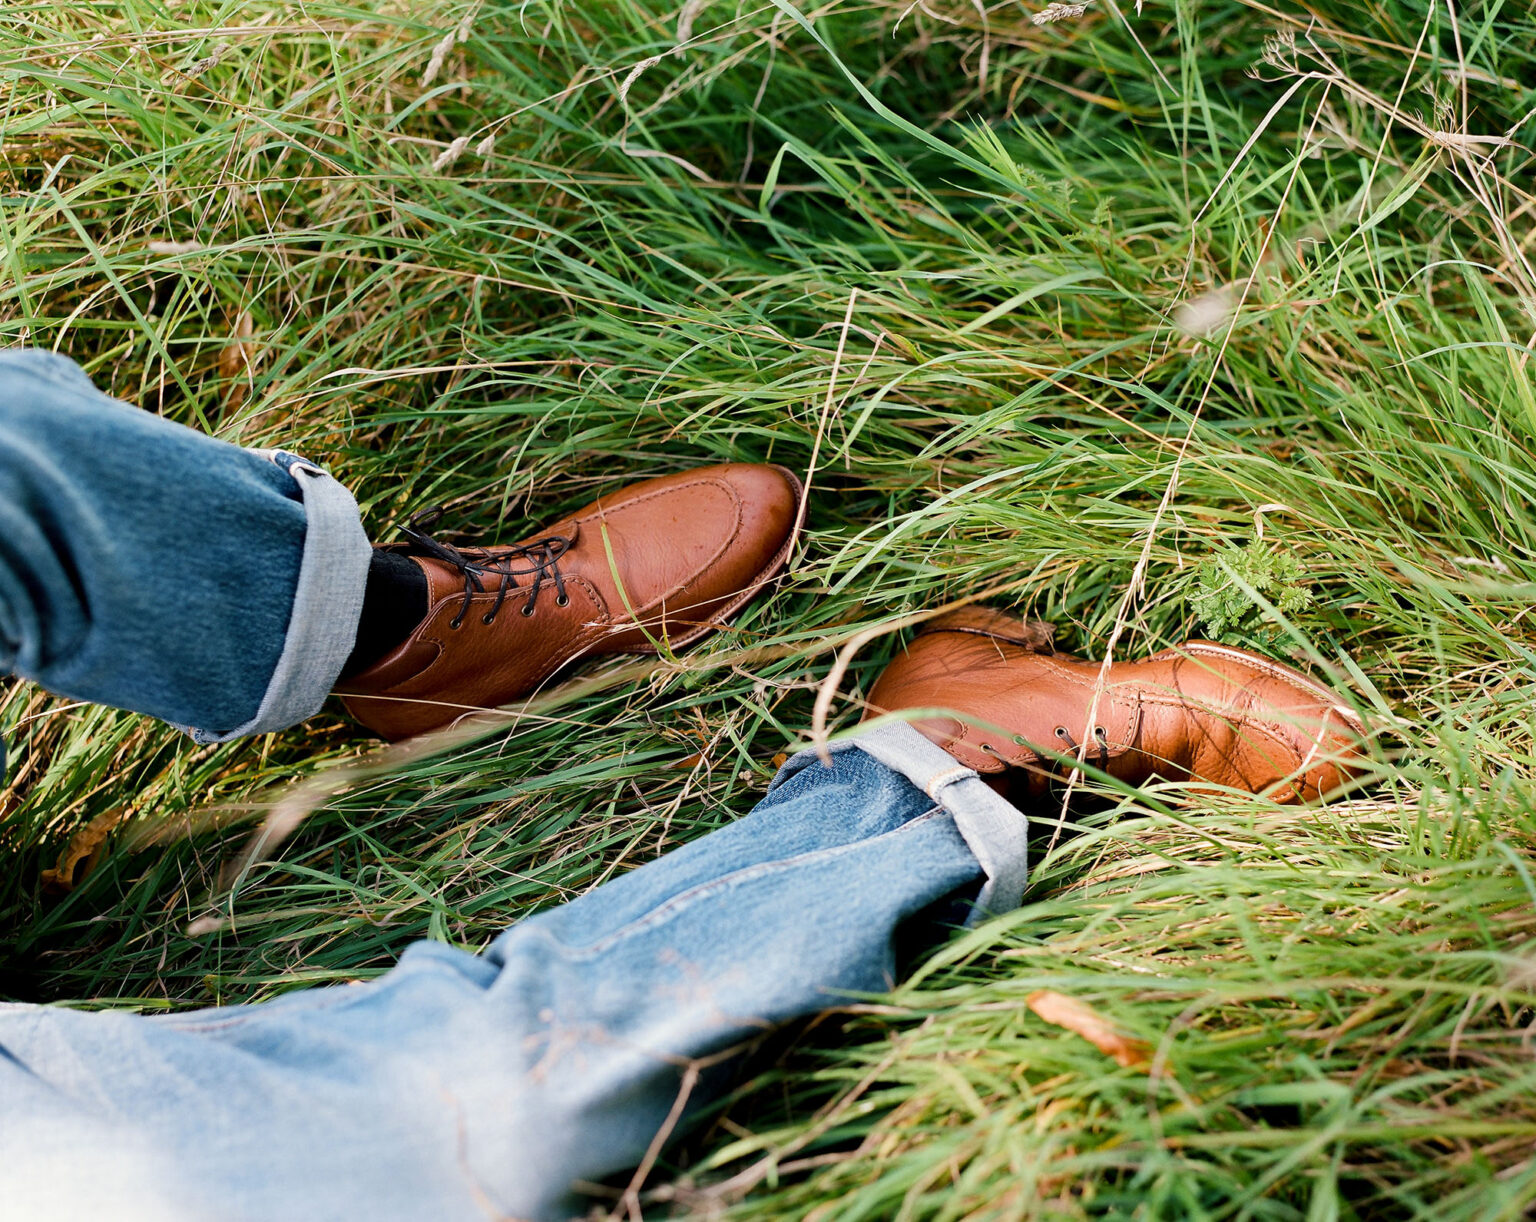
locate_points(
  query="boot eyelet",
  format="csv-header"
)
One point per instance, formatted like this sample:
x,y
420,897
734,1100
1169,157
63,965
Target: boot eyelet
x,y
487,619
1101,736
1061,733
528,609
456,623
563,601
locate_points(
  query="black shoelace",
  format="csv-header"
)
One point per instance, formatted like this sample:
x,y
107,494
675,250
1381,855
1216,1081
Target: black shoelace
x,y
542,559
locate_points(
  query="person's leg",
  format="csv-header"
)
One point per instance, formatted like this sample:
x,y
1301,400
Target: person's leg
x,y
463,1086
148,566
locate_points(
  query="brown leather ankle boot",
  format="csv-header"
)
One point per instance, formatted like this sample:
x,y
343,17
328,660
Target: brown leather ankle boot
x,y
1202,711
659,562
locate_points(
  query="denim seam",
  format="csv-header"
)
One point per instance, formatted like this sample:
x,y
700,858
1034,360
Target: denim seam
x,y
332,998
685,899
935,783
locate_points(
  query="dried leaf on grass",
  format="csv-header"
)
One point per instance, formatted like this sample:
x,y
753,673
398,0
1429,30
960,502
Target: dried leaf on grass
x,y
84,847
1082,1019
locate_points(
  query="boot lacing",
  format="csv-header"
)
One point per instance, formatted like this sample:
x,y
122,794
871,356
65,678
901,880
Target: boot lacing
x,y
543,556
1099,737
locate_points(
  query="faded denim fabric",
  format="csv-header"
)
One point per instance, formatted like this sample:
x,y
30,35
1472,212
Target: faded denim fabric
x,y
148,566
464,1086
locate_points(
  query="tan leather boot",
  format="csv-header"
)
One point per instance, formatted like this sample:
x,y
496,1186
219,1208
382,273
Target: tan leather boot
x,y
1203,711
659,562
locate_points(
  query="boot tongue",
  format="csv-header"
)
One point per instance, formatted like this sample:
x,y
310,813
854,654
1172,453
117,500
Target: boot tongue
x,y
443,579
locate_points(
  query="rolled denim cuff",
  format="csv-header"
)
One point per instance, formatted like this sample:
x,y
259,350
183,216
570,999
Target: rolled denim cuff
x,y
995,830
327,604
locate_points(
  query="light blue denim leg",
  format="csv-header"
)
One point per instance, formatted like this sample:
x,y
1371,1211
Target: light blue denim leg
x,y
994,829
147,566
471,1087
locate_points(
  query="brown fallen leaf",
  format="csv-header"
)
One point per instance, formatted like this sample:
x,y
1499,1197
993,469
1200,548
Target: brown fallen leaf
x,y
1082,1019
86,846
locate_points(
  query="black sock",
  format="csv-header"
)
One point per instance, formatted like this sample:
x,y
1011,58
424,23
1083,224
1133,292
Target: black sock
x,y
394,603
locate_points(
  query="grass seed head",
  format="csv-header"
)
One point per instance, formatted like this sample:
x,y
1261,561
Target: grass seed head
x,y
1057,11
439,54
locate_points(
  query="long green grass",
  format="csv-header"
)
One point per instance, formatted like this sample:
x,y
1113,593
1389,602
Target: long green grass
x,y
1213,317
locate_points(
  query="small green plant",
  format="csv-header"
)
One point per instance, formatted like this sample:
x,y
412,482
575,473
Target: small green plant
x,y
1224,585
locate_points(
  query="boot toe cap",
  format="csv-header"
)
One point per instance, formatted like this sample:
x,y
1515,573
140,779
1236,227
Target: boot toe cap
x,y
695,547
752,551
1292,736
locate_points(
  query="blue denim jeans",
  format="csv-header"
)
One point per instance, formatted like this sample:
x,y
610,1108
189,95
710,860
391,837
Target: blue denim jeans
x,y
147,566
457,1085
